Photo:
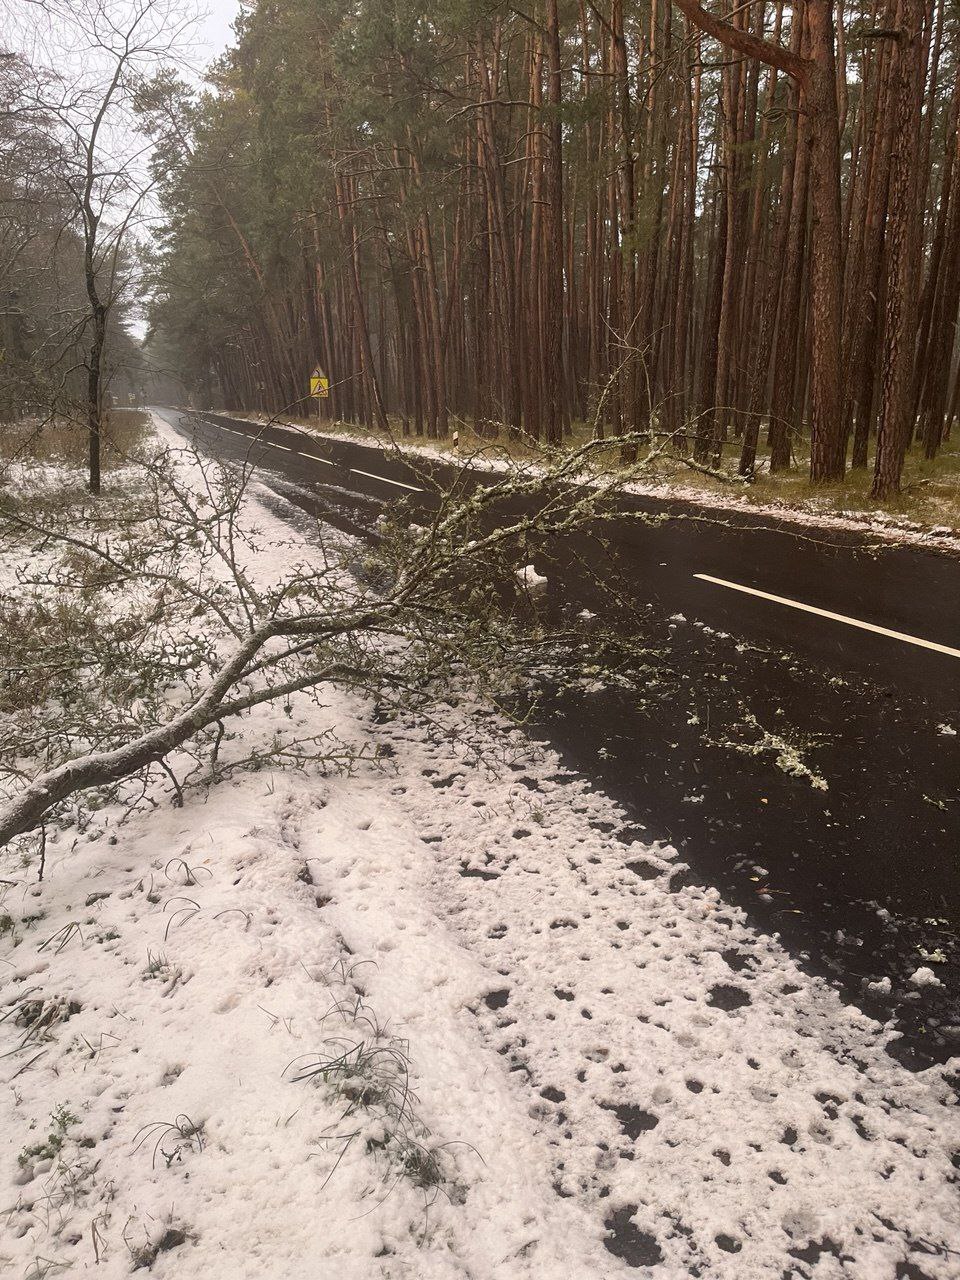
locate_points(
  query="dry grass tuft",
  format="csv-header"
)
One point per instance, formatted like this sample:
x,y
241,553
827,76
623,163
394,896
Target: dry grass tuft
x,y
64,443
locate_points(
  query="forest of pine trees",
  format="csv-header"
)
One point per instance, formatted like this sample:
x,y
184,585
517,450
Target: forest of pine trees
x,y
735,228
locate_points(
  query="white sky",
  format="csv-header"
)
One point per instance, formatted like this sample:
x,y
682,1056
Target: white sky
x,y
214,32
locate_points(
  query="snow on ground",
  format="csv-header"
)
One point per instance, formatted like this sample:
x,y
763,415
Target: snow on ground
x,y
224,947
722,1110
610,1074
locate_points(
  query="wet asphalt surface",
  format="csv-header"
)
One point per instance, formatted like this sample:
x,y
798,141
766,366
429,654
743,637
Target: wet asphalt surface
x,y
803,767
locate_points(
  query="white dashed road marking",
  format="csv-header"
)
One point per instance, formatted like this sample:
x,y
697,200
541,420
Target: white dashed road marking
x,y
269,444
399,483
834,617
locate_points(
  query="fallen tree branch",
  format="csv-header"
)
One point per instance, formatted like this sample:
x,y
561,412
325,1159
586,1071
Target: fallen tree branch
x,y
716,475
444,601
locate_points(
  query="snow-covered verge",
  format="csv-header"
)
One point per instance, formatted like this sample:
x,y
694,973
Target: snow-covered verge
x,y
623,1056
435,1019
880,526
225,950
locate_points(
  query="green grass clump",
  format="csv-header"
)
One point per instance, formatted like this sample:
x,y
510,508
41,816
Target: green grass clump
x,y
60,1121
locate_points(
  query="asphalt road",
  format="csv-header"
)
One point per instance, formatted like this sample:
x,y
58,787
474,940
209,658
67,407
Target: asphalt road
x,y
754,649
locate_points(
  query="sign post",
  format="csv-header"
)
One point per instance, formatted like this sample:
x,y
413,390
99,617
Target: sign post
x,y
319,387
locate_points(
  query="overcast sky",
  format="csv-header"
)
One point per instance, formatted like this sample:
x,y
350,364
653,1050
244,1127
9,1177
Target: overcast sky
x,y
214,32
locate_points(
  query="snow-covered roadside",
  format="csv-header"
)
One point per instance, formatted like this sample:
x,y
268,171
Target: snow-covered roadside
x,y
878,525
223,948
198,1075
621,1053
722,1110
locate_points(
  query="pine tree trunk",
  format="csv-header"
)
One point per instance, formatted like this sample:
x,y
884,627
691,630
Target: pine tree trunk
x,y
827,461
900,321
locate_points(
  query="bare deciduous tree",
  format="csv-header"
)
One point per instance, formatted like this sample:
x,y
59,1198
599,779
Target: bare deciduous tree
x,y
88,59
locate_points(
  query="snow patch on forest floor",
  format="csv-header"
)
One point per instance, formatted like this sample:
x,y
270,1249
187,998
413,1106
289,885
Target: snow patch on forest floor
x,y
447,1016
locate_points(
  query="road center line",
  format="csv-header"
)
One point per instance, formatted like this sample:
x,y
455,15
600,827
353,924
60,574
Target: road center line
x,y
270,444
399,483
835,617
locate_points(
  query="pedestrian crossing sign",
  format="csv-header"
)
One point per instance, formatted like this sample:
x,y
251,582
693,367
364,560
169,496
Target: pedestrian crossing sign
x,y
319,384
